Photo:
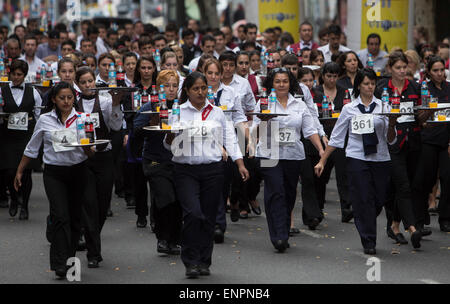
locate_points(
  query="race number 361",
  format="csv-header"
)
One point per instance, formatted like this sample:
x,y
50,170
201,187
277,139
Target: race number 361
x,y
363,124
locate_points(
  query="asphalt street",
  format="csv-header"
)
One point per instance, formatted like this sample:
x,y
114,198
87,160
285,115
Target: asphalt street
x,y
330,254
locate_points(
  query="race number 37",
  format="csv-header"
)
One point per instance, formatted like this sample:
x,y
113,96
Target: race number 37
x,y
363,124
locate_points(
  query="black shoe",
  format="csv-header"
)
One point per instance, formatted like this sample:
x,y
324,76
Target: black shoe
x,y
141,222
94,263
109,213
204,270
398,238
347,215
23,214
256,210
61,272
174,249
445,226
192,271
280,245
370,251
163,247
4,203
243,216
13,207
416,236
313,224
81,246
234,215
424,231
218,235
293,231
131,203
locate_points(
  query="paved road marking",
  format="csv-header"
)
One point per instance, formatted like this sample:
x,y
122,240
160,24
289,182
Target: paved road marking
x,y
429,281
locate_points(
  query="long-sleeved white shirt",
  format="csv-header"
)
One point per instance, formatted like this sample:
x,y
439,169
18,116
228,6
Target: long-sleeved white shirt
x,y
18,96
231,100
242,88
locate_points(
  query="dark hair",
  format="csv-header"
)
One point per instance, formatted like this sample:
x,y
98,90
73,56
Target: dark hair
x,y
19,64
277,28
218,33
111,32
286,37
314,54
331,68
82,71
395,57
92,29
86,22
30,37
137,74
60,27
129,54
269,30
304,71
228,56
293,83
207,38
334,29
187,32
289,59
424,50
171,27
106,55
323,32
249,26
68,42
52,94
359,78
253,53
53,34
373,35
19,26
242,53
305,23
143,41
165,50
86,56
202,61
341,61
431,61
188,83
159,37
248,44
85,40
66,60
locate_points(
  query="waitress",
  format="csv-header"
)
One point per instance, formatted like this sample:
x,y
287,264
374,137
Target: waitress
x,y
405,153
199,171
368,159
335,95
66,176
282,165
22,102
66,72
106,116
350,64
158,170
435,155
225,97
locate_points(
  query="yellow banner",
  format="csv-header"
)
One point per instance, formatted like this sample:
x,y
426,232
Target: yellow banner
x,y
282,13
389,19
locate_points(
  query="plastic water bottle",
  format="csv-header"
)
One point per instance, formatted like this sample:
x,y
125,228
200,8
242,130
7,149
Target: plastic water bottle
x,y
158,60
347,98
210,95
315,83
137,100
370,61
2,68
164,115
385,100
112,83
272,101
299,56
425,96
325,107
42,72
263,101
175,113
89,129
80,129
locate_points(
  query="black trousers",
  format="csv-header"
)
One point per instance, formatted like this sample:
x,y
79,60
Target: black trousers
x,y
244,192
199,189
368,189
221,219
399,206
65,188
134,174
23,195
311,208
336,160
432,159
117,154
3,187
280,191
167,209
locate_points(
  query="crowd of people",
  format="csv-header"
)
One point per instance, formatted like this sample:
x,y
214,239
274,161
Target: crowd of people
x,y
261,110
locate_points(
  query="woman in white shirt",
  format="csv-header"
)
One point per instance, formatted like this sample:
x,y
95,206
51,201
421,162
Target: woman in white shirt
x,y
107,116
66,177
368,159
198,154
282,157
129,61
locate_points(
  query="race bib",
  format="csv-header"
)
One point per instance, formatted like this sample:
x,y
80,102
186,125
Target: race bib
x,y
363,124
286,136
61,137
18,121
96,120
200,130
406,107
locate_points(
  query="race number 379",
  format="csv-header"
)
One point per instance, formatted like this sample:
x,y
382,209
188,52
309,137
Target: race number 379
x,y
363,124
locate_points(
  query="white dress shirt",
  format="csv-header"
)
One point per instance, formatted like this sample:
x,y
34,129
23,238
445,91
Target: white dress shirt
x,y
18,98
312,107
355,148
327,52
232,102
299,119
194,62
243,89
186,150
48,123
379,62
33,65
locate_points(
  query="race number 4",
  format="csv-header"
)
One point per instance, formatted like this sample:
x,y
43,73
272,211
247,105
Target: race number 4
x,y
363,124
18,121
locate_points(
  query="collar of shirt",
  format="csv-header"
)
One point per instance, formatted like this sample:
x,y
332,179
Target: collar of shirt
x,y
99,79
405,85
20,85
358,101
304,44
69,118
189,105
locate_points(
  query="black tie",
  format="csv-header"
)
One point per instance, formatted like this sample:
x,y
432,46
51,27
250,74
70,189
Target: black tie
x,y
17,87
370,141
217,99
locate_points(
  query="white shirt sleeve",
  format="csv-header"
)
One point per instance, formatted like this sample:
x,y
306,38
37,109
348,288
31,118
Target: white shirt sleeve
x,y
307,97
34,145
37,103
